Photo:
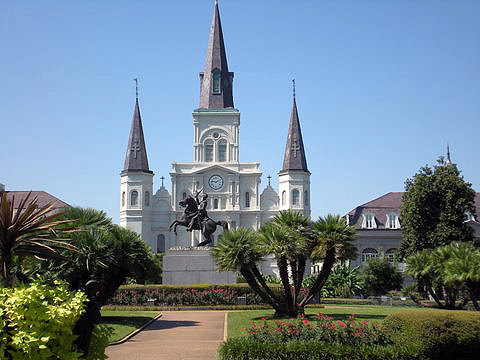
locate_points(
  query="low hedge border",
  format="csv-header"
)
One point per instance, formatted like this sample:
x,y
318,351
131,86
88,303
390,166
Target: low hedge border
x,y
438,334
245,349
191,308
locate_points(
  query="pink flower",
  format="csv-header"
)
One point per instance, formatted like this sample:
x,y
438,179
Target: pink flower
x,y
264,318
342,324
305,322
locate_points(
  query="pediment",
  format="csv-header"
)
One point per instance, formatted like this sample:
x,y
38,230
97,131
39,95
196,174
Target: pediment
x,y
215,167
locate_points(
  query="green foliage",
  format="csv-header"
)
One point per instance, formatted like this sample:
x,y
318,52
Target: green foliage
x,y
100,340
38,321
433,210
248,349
29,231
447,270
343,281
380,277
291,239
437,334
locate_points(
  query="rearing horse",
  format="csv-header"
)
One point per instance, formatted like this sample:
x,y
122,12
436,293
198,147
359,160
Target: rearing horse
x,y
209,226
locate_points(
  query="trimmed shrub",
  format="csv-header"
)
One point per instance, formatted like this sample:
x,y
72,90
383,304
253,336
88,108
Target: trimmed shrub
x,y
37,322
248,349
194,295
437,334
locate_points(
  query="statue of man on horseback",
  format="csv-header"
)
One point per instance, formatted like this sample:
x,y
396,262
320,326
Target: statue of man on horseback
x,y
195,217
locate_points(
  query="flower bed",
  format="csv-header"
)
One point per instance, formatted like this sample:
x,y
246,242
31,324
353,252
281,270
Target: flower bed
x,y
324,329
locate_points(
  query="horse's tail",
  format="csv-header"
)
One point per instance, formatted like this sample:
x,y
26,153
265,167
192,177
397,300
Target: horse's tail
x,y
223,224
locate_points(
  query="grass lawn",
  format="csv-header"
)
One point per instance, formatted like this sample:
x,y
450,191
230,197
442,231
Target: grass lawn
x,y
124,322
238,320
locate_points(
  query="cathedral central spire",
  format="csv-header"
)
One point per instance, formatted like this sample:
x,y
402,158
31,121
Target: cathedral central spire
x,y
216,82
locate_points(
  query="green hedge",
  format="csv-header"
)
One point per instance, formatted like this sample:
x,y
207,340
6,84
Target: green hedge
x,y
181,295
247,349
438,334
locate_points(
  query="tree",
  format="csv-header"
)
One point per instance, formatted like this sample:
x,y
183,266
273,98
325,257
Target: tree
x,y
292,240
380,277
106,256
28,232
429,268
464,267
433,211
343,281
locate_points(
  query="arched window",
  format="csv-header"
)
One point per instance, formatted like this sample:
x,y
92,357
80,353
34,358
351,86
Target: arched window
x,y
369,253
222,150
217,81
184,195
295,197
134,198
390,255
247,199
284,197
215,203
208,150
305,199
147,199
123,199
160,243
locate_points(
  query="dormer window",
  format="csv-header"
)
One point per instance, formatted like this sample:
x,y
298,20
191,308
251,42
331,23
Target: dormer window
x,y
217,81
369,221
393,221
469,217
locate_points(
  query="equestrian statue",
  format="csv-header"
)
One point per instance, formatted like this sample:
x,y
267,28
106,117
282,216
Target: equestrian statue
x,y
195,217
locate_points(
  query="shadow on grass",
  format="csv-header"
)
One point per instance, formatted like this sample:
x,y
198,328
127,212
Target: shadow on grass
x,y
335,316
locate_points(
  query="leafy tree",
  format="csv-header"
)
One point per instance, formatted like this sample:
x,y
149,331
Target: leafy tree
x,y
28,232
433,210
292,240
380,277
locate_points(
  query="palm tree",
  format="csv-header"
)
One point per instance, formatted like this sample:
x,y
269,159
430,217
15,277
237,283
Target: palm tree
x,y
333,241
464,267
238,250
28,232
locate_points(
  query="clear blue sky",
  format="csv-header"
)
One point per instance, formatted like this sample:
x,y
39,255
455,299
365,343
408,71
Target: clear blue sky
x,y
382,86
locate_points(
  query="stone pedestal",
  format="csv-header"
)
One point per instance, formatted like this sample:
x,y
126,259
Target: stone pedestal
x,y
193,265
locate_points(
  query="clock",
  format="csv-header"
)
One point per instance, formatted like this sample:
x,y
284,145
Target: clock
x,y
215,182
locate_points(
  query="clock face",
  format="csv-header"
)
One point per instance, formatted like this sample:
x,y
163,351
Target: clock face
x,y
215,182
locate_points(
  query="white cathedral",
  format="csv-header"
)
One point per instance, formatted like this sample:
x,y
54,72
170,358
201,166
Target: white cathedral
x,y
233,187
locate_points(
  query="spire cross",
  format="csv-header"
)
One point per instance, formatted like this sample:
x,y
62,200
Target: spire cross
x,y
136,87
269,178
162,178
295,148
293,81
135,149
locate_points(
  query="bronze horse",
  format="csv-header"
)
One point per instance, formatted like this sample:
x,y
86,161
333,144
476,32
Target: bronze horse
x,y
207,225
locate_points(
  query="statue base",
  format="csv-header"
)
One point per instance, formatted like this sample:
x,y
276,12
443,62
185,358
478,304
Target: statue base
x,y
193,265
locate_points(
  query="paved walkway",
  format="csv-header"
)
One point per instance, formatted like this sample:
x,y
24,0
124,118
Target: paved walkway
x,y
177,335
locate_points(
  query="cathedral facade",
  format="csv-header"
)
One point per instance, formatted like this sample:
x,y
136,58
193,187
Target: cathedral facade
x,y
233,187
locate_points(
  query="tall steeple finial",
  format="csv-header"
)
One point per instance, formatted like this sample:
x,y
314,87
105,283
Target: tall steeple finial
x,y
136,88
294,158
448,161
136,157
216,82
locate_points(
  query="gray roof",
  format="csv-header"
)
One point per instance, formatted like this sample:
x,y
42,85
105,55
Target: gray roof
x,y
295,158
216,62
136,157
42,197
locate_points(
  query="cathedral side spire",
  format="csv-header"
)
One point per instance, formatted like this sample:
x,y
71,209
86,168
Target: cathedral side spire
x,y
136,156
216,82
294,158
